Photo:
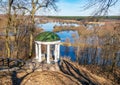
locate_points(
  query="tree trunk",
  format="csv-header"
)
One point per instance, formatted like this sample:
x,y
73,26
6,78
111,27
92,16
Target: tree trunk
x,y
7,44
7,29
31,44
32,28
114,62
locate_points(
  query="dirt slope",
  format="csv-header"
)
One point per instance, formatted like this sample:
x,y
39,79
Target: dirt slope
x,y
69,74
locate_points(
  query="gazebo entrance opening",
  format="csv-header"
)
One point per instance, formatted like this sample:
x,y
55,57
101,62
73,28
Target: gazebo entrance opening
x,y
49,39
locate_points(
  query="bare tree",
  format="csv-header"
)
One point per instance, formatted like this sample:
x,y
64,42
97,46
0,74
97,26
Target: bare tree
x,y
17,8
11,9
102,6
32,7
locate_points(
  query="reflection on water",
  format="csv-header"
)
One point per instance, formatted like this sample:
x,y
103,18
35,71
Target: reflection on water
x,y
67,35
50,26
68,52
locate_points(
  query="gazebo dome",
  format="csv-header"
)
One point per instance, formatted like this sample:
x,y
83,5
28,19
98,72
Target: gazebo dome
x,y
47,37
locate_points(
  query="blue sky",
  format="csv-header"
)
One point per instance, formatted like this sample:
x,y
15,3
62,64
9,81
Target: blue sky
x,y
75,8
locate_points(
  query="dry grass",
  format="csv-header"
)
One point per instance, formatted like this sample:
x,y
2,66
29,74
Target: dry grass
x,y
3,23
48,78
82,73
102,72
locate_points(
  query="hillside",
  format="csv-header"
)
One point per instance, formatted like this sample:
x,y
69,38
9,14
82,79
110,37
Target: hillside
x,y
69,73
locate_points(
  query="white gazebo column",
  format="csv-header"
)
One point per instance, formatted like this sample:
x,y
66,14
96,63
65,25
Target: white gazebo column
x,y
58,50
55,53
48,53
39,57
36,50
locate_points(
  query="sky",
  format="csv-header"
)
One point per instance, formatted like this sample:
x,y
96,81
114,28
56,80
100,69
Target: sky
x,y
76,8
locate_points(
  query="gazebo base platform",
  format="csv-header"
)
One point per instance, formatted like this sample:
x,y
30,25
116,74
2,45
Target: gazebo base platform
x,y
33,64
44,60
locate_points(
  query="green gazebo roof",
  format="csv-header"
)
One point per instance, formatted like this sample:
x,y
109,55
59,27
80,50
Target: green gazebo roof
x,y
47,37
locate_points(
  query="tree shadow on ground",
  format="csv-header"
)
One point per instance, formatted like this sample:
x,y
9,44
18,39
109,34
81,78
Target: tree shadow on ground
x,y
71,70
16,80
11,63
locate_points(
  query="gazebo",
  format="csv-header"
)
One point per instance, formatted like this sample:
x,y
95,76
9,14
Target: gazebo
x,y
48,39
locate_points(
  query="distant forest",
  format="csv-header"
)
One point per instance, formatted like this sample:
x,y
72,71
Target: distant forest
x,y
84,17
